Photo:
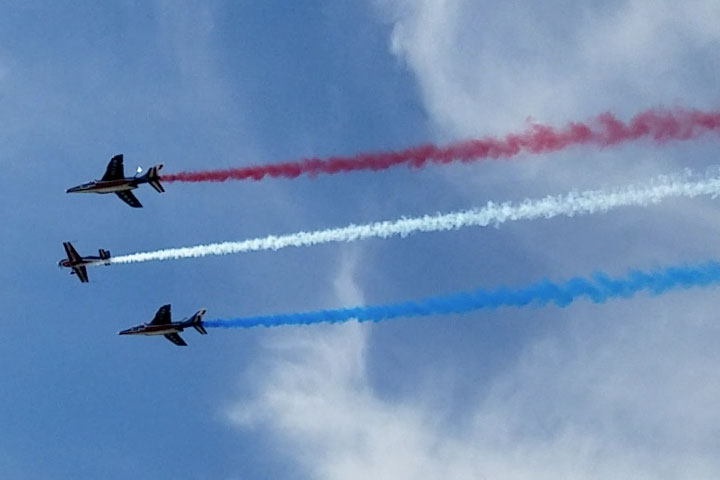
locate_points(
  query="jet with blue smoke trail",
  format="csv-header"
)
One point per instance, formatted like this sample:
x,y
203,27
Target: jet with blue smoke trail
x,y
163,325
597,288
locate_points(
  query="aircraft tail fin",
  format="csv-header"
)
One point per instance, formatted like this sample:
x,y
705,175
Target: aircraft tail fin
x,y
153,178
196,322
104,255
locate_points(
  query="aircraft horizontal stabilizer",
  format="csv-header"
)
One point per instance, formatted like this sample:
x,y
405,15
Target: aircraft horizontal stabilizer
x,y
196,322
153,178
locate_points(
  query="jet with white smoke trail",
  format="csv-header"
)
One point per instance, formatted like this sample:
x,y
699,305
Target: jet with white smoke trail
x,y
574,203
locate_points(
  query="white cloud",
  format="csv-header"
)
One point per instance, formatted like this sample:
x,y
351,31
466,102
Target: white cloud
x,y
608,399
623,390
486,66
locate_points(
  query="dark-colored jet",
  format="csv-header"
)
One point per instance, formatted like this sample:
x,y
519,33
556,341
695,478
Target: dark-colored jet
x,y
78,262
162,325
114,181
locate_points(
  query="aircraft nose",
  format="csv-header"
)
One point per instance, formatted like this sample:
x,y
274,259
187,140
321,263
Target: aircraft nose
x,y
72,190
124,332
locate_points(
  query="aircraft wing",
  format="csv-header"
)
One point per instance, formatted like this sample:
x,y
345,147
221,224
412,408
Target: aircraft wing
x,y
115,170
162,317
81,273
176,339
129,198
72,254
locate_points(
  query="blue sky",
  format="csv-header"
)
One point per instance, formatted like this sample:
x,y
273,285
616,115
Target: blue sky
x,y
628,388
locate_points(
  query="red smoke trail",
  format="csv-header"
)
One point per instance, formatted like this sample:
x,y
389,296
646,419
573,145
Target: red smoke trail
x,y
659,125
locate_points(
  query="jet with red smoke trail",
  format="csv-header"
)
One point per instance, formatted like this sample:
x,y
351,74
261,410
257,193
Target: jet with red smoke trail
x,y
162,324
114,181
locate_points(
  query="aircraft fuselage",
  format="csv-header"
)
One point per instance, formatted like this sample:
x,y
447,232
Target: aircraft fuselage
x,y
148,329
84,261
107,186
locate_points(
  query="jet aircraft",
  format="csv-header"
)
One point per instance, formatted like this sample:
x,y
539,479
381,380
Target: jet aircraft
x,y
78,262
114,181
162,325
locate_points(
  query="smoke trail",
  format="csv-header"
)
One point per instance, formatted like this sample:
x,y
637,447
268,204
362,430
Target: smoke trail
x,y
598,288
574,203
659,124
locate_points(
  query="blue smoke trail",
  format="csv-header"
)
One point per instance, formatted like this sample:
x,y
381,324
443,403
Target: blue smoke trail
x,y
598,288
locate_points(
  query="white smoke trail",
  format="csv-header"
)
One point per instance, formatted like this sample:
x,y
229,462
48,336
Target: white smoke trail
x,y
571,204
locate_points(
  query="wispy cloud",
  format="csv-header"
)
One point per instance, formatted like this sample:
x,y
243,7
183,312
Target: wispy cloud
x,y
481,65
625,390
604,399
